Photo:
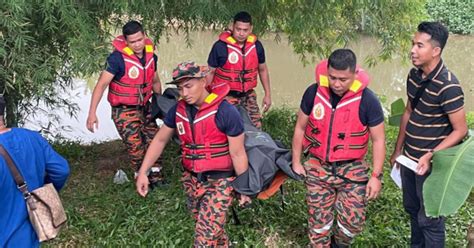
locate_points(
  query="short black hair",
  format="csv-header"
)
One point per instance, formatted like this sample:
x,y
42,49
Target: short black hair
x,y
243,16
439,33
132,27
341,59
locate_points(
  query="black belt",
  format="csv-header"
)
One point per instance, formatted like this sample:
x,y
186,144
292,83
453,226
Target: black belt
x,y
336,163
124,106
203,176
128,106
238,94
339,163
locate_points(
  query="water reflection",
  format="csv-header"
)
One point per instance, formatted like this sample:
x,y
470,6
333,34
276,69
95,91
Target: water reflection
x,y
289,78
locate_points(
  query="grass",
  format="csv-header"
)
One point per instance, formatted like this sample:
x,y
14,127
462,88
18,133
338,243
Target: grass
x,y
103,214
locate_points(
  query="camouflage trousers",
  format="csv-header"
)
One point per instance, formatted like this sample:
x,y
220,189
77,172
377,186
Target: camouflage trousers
x,y
136,129
208,203
335,190
249,102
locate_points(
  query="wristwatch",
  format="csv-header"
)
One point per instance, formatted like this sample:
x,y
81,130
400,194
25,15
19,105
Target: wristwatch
x,y
377,175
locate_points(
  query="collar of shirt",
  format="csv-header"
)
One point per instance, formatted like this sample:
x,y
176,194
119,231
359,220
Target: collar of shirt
x,y
433,74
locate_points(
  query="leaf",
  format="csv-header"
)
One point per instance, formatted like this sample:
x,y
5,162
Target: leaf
x,y
397,108
451,179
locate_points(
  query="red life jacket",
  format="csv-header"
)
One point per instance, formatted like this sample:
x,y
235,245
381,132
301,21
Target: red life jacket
x,y
337,134
204,146
136,85
241,68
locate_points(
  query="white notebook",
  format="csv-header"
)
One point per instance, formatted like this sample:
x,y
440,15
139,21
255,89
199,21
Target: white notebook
x,y
405,161
395,175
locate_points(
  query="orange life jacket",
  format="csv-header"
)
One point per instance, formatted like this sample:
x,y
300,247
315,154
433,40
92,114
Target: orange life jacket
x,y
136,85
241,68
204,146
337,134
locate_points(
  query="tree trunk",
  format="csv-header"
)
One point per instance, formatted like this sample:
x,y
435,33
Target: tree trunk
x,y
11,110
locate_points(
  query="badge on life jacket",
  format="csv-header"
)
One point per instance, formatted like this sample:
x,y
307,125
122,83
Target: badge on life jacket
x,y
180,127
133,72
233,57
318,111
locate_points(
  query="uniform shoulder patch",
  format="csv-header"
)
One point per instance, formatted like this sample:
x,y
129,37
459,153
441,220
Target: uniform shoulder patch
x,y
128,50
211,97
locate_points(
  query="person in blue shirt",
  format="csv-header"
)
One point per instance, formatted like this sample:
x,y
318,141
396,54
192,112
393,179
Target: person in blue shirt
x,y
38,163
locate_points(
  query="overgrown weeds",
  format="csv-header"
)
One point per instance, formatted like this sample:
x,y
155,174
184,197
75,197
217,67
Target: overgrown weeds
x,y
103,214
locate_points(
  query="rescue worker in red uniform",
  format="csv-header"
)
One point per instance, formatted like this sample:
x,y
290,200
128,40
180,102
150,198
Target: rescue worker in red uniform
x,y
212,145
237,59
131,78
337,116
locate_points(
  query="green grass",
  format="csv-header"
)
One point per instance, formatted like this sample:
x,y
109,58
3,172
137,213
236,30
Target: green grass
x,y
103,214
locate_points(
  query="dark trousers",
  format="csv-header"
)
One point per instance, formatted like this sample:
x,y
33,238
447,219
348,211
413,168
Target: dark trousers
x,y
425,231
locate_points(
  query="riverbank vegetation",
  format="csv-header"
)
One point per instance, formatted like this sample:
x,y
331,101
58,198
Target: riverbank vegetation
x,y
45,44
104,214
457,15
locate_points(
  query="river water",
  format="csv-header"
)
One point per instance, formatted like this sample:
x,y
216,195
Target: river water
x,y
289,78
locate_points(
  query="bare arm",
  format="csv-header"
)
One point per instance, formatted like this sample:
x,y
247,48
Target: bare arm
x,y
153,152
156,147
297,143
458,121
377,134
238,154
401,133
265,79
157,83
103,82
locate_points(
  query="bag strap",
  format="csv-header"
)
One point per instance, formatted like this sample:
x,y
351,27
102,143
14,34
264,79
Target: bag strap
x,y
418,94
20,182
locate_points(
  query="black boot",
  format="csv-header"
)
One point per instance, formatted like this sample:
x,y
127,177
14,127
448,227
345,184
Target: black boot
x,y
335,245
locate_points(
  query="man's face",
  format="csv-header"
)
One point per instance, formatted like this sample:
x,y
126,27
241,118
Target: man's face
x,y
422,50
340,80
136,42
241,30
193,91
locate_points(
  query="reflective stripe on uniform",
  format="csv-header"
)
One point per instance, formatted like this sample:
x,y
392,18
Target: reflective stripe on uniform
x,y
323,229
345,230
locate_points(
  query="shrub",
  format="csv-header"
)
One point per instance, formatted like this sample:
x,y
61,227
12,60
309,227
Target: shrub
x,y
280,123
457,15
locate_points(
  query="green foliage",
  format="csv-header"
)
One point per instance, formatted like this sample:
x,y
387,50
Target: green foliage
x,y
470,120
70,149
451,179
397,108
102,214
280,123
44,44
457,15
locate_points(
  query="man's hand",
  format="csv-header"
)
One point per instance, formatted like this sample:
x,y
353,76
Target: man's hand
x,y
92,122
299,169
373,188
266,103
142,184
424,164
394,156
244,201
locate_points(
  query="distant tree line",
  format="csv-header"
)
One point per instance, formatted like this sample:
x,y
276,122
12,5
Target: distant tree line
x,y
46,43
